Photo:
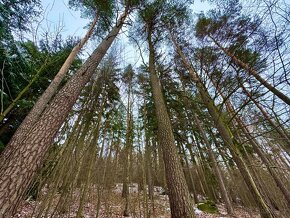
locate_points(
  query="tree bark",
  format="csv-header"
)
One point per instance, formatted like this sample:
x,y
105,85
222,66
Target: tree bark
x,y
127,150
279,130
217,170
21,165
253,141
227,136
179,197
27,124
253,72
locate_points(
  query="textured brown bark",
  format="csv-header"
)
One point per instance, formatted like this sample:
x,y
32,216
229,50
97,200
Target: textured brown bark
x,y
21,165
179,197
23,130
227,136
253,72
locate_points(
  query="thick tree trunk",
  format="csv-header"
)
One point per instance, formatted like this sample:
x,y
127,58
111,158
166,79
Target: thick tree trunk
x,y
21,165
23,130
179,197
253,72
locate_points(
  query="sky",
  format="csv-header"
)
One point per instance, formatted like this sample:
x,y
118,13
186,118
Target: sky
x,y
58,17
58,12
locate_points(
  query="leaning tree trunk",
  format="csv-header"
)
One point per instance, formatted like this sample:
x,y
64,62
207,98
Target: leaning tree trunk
x,y
253,72
21,165
227,136
179,197
23,130
277,128
23,91
216,167
265,210
253,141
191,180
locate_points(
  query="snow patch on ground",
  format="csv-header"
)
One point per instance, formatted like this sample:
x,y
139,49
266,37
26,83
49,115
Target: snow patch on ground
x,y
112,205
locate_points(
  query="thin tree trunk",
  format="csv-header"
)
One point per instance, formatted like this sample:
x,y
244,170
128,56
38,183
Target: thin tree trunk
x,y
127,149
217,170
150,185
272,172
189,147
204,166
254,142
191,180
253,72
265,210
280,131
23,91
21,165
227,136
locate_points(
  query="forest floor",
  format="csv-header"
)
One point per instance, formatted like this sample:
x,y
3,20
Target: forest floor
x,y
112,206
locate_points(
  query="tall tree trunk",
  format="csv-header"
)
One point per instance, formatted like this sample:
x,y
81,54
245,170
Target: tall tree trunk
x,y
21,165
227,136
179,197
150,184
265,210
204,166
27,124
253,72
127,150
